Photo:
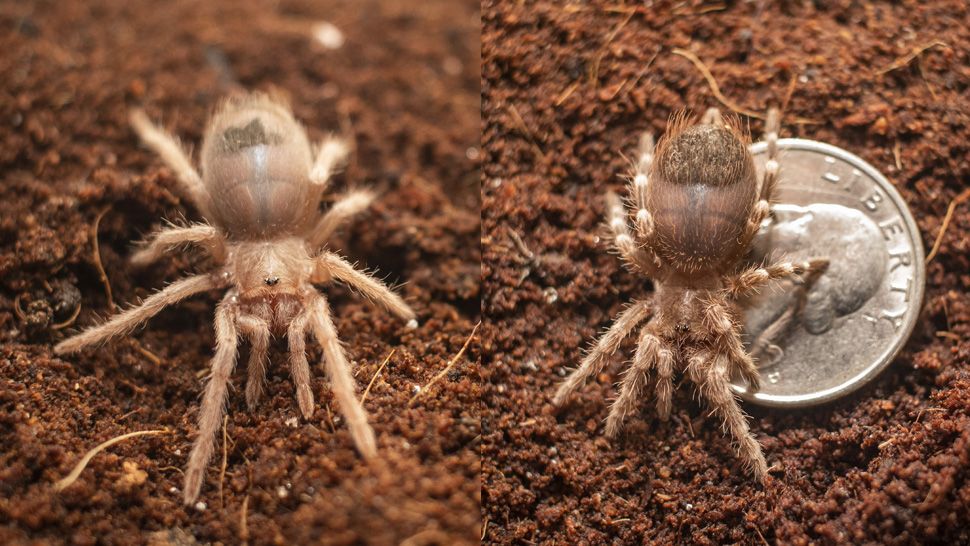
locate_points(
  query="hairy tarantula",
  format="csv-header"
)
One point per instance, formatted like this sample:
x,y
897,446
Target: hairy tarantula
x,y
696,205
260,188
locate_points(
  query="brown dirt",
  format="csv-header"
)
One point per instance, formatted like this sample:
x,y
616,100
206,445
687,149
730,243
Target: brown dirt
x,y
407,82
566,89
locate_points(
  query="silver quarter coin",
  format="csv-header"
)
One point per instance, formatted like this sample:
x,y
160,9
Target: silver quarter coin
x,y
844,328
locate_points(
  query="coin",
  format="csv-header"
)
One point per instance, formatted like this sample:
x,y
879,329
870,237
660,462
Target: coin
x,y
849,323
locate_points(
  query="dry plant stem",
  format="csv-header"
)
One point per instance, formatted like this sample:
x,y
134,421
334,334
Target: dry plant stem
x,y
243,524
70,320
451,363
964,195
716,90
363,397
96,252
66,482
906,59
341,380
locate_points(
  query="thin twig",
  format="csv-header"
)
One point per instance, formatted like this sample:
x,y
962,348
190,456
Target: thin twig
x,y
66,482
97,256
789,92
451,363
525,131
565,94
594,68
19,310
243,527
964,195
762,537
69,321
146,353
730,104
377,373
716,90
906,59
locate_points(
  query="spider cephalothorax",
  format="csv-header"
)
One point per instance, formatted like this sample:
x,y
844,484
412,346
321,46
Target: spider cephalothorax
x,y
259,192
696,204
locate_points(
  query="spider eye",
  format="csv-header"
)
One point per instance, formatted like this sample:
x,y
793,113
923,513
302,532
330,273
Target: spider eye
x,y
271,281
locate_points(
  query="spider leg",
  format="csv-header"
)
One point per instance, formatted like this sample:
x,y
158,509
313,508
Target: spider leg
x,y
341,380
330,266
638,188
712,117
641,258
213,402
128,320
770,178
665,382
710,374
205,235
751,280
607,345
299,367
742,361
719,321
765,341
331,154
343,210
257,330
650,352
168,148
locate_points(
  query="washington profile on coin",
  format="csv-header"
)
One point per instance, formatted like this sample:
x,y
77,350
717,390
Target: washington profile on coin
x,y
819,339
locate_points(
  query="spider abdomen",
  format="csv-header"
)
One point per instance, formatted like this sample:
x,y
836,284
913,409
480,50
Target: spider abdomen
x,y
256,158
701,193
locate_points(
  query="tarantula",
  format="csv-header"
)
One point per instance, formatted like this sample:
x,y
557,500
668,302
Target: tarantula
x,y
259,190
696,205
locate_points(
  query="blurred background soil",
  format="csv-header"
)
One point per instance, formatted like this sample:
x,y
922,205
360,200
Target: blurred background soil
x,y
567,88
404,84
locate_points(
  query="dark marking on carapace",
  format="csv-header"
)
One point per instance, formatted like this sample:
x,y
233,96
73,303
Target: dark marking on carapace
x,y
252,134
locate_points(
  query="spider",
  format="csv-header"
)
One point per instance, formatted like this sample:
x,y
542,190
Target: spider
x,y
696,203
259,192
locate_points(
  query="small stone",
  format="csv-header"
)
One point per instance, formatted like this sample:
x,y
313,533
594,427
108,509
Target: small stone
x,y
328,35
